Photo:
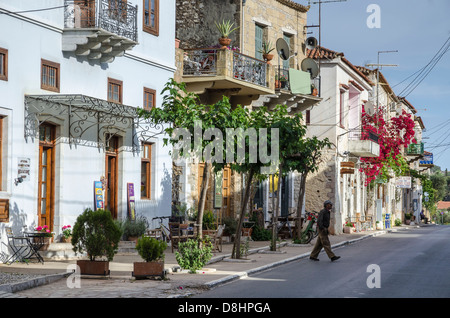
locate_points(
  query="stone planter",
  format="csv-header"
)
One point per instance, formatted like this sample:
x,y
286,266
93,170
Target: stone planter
x,y
87,267
349,229
148,269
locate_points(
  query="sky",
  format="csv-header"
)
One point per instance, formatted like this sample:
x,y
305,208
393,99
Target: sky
x,y
419,30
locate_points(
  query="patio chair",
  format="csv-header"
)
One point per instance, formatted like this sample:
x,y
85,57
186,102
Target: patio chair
x,y
217,238
175,234
19,246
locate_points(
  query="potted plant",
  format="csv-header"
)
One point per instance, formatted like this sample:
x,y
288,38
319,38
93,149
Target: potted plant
x,y
407,218
349,227
266,48
152,252
209,223
225,28
314,90
66,234
96,233
133,229
45,235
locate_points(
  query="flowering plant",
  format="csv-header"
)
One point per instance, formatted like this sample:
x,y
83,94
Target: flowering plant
x,y
44,230
67,231
349,224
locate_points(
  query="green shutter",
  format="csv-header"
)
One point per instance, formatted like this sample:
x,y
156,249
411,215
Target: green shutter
x,y
287,38
258,41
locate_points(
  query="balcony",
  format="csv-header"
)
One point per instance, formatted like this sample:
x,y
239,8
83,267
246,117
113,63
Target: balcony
x,y
219,72
293,89
99,30
363,143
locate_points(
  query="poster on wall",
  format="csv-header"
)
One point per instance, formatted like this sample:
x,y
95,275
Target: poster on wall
x,y
131,205
98,195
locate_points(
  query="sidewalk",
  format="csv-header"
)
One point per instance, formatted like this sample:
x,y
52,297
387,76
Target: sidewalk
x,y
51,281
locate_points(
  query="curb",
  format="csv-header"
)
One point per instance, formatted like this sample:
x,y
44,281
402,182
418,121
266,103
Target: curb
x,y
38,281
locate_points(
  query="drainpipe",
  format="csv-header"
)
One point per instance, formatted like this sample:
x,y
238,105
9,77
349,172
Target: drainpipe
x,y
242,26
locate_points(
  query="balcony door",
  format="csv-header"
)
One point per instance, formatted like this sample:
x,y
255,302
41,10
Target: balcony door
x,y
46,180
84,13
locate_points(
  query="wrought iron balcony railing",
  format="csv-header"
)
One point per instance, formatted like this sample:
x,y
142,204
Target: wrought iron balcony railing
x,y
415,149
214,62
362,134
115,16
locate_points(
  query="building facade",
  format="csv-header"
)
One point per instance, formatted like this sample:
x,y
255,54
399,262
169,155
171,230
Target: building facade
x,y
76,73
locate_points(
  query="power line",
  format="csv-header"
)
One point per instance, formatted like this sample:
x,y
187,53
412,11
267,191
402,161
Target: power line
x,y
34,10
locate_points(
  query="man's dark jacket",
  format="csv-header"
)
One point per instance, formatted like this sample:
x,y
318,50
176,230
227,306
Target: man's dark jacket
x,y
323,221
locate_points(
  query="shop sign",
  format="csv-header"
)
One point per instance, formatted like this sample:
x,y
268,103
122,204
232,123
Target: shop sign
x,y
403,182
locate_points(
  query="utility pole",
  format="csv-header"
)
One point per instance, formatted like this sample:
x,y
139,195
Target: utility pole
x,y
379,66
320,2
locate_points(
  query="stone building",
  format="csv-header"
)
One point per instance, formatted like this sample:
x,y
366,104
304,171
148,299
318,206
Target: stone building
x,y
227,73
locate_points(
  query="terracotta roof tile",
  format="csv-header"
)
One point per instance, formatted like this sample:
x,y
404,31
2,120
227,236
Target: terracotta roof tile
x,y
443,205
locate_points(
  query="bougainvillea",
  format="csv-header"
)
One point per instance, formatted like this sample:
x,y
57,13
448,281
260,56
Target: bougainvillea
x,y
393,135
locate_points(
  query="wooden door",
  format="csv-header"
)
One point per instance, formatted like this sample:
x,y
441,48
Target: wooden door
x,y
46,180
84,13
111,167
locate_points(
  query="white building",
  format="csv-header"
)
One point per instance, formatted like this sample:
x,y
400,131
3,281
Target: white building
x,y
344,90
72,73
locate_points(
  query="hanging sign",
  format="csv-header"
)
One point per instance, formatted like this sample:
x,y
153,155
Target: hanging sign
x,y
218,197
23,169
403,182
347,164
98,195
131,203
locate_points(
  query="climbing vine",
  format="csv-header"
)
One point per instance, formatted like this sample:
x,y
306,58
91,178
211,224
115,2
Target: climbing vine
x,y
392,135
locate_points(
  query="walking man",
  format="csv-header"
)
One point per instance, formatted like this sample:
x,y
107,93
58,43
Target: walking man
x,y
323,222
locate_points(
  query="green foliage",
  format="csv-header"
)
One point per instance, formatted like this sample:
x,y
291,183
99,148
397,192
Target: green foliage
x,y
96,233
133,228
225,28
230,225
151,249
192,255
209,220
266,48
261,234
397,222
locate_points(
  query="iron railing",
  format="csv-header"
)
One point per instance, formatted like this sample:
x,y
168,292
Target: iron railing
x,y
115,16
282,80
249,69
200,62
362,134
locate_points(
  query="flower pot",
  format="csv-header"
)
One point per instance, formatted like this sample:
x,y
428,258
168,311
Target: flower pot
x,y
315,92
349,229
277,84
148,269
88,267
66,240
268,57
224,42
247,231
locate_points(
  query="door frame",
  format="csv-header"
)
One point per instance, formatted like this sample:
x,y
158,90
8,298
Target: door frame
x,y
114,156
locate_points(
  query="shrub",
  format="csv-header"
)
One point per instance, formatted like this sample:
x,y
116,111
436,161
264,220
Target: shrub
x,y
192,255
398,222
134,228
96,233
150,249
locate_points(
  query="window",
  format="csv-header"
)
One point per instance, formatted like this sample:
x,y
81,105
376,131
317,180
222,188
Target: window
x,y
341,108
146,170
50,76
308,116
3,64
114,90
149,98
288,39
151,16
259,38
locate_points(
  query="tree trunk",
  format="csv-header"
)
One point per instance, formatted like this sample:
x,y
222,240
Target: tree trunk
x,y
201,203
273,246
236,254
301,195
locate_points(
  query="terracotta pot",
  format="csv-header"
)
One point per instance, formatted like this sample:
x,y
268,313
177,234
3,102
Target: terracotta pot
x,y
277,84
66,240
224,42
146,269
315,92
268,57
88,267
247,231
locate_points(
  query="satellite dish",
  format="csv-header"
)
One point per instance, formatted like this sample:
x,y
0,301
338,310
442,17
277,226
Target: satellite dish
x,y
309,65
311,43
282,49
369,108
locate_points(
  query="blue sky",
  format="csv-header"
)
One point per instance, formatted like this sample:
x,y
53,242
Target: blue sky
x,y
418,29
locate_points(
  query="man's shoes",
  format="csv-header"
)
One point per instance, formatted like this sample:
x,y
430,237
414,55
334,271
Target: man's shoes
x,y
314,259
335,258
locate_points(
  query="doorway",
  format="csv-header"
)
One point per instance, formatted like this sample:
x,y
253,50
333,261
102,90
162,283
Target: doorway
x,y
46,178
111,167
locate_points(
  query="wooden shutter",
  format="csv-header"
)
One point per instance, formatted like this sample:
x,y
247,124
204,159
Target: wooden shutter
x,y
259,31
4,210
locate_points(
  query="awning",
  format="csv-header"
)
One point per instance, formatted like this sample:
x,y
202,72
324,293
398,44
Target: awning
x,y
88,120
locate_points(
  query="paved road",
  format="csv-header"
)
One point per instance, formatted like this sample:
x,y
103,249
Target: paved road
x,y
411,264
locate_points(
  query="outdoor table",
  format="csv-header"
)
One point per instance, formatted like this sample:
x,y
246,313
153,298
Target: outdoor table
x,y
36,241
